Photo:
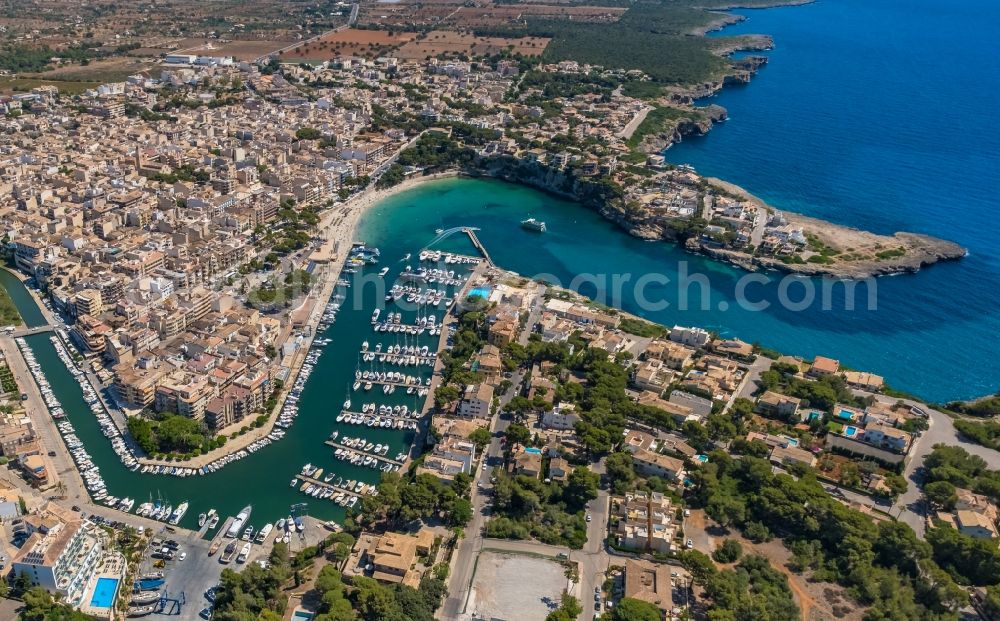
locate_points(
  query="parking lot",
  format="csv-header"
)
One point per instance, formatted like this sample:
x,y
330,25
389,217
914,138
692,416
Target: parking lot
x,y
187,580
511,586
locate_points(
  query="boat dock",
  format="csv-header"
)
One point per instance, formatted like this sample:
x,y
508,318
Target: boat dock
x,y
382,459
220,534
387,383
303,478
478,244
398,358
379,416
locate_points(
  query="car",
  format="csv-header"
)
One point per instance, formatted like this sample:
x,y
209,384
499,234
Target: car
x,y
485,465
206,613
689,544
687,512
76,508
597,589
597,597
597,606
210,594
588,517
182,556
52,453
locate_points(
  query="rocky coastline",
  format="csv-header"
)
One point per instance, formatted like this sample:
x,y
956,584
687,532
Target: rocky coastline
x,y
919,251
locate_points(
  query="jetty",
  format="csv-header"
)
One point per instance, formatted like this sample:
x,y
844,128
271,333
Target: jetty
x,y
317,482
471,232
389,383
387,460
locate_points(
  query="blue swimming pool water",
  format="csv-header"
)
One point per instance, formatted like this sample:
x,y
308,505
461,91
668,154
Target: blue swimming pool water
x,y
845,415
850,431
483,292
104,593
301,615
533,450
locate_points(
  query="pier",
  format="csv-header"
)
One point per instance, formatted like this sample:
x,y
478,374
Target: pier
x,y
478,244
471,232
376,415
303,478
364,454
389,383
398,359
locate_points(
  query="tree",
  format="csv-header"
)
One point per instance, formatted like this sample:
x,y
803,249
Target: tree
x,y
699,565
480,437
517,435
461,512
896,483
941,494
729,552
581,488
620,471
629,609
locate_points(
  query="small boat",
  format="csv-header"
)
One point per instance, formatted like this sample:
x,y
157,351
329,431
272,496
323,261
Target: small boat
x,y
244,554
532,224
202,518
215,547
228,553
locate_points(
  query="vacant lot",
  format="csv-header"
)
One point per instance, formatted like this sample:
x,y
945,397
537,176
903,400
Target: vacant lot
x,y
447,42
508,586
240,50
349,43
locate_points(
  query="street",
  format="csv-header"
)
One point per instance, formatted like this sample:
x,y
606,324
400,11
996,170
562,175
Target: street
x,y
910,507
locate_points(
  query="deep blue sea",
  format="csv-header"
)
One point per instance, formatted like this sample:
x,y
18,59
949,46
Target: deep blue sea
x,y
880,115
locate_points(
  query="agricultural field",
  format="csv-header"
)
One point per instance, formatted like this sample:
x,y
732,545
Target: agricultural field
x,y
446,13
452,43
504,15
368,43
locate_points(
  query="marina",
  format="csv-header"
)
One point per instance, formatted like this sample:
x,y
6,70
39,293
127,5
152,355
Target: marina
x,y
186,496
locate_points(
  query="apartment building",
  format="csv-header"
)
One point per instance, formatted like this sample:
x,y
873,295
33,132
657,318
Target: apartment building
x,y
62,553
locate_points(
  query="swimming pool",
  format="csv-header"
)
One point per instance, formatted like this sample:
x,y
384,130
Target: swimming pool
x,y
483,292
533,450
302,615
104,593
702,458
845,415
850,431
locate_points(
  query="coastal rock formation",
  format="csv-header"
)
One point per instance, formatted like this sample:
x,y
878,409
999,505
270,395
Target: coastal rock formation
x,y
856,254
698,123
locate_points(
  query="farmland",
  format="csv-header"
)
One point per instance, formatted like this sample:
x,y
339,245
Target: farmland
x,y
449,43
368,43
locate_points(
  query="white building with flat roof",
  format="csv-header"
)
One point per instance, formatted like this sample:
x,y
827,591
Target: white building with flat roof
x,y
62,553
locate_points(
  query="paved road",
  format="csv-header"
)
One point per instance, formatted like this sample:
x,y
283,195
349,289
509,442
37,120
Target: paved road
x,y
910,507
749,385
634,124
464,559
